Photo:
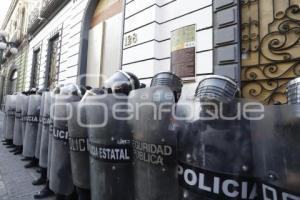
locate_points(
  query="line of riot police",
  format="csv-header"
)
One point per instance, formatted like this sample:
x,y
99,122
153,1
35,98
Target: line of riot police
x,y
125,141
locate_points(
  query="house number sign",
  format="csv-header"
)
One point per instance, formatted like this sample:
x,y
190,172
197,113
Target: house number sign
x,y
131,39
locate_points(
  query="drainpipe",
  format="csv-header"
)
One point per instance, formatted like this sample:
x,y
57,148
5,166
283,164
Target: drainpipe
x,y
84,36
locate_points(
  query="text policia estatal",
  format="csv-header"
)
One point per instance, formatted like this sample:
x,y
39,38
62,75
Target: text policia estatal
x,y
108,153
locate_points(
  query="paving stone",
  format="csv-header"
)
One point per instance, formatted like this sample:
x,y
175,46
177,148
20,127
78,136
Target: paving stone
x,y
15,180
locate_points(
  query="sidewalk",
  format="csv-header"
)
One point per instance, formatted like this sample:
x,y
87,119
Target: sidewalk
x,y
15,180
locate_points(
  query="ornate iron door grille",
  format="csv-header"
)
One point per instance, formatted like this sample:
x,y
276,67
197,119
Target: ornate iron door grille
x,y
270,48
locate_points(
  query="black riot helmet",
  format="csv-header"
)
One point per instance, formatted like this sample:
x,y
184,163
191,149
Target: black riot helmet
x,y
219,91
169,80
293,91
31,91
122,82
217,88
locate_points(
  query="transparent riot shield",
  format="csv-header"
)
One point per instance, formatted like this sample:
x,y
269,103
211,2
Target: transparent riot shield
x,y
18,140
3,108
43,161
154,144
60,170
24,108
31,125
276,150
78,142
51,125
40,127
214,151
10,116
109,147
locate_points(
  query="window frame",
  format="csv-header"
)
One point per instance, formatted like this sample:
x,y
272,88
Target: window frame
x,y
56,34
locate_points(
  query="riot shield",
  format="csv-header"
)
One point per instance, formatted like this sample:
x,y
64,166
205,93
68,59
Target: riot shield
x,y
78,138
40,127
18,141
214,151
43,161
10,117
110,147
24,108
5,116
154,144
60,170
276,150
51,124
32,123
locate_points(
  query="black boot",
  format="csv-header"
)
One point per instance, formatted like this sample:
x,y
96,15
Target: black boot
x,y
19,151
8,142
60,197
10,146
25,159
44,193
14,150
5,142
83,194
43,178
33,163
73,196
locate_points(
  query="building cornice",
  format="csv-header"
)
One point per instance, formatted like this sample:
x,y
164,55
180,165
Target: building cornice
x,y
11,9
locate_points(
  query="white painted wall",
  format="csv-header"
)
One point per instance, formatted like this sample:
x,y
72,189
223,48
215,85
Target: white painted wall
x,y
153,21
69,20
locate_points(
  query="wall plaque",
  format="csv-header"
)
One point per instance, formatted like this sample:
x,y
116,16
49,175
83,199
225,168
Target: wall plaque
x,y
183,52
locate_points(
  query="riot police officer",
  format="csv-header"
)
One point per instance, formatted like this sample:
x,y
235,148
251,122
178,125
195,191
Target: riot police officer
x,y
110,139
10,119
61,182
154,139
18,140
214,145
46,146
42,121
78,143
31,129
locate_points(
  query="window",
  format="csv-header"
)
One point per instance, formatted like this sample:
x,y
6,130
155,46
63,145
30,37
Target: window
x,y
53,62
35,68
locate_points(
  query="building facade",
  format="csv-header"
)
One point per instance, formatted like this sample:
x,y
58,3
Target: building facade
x,y
85,41
54,42
14,63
